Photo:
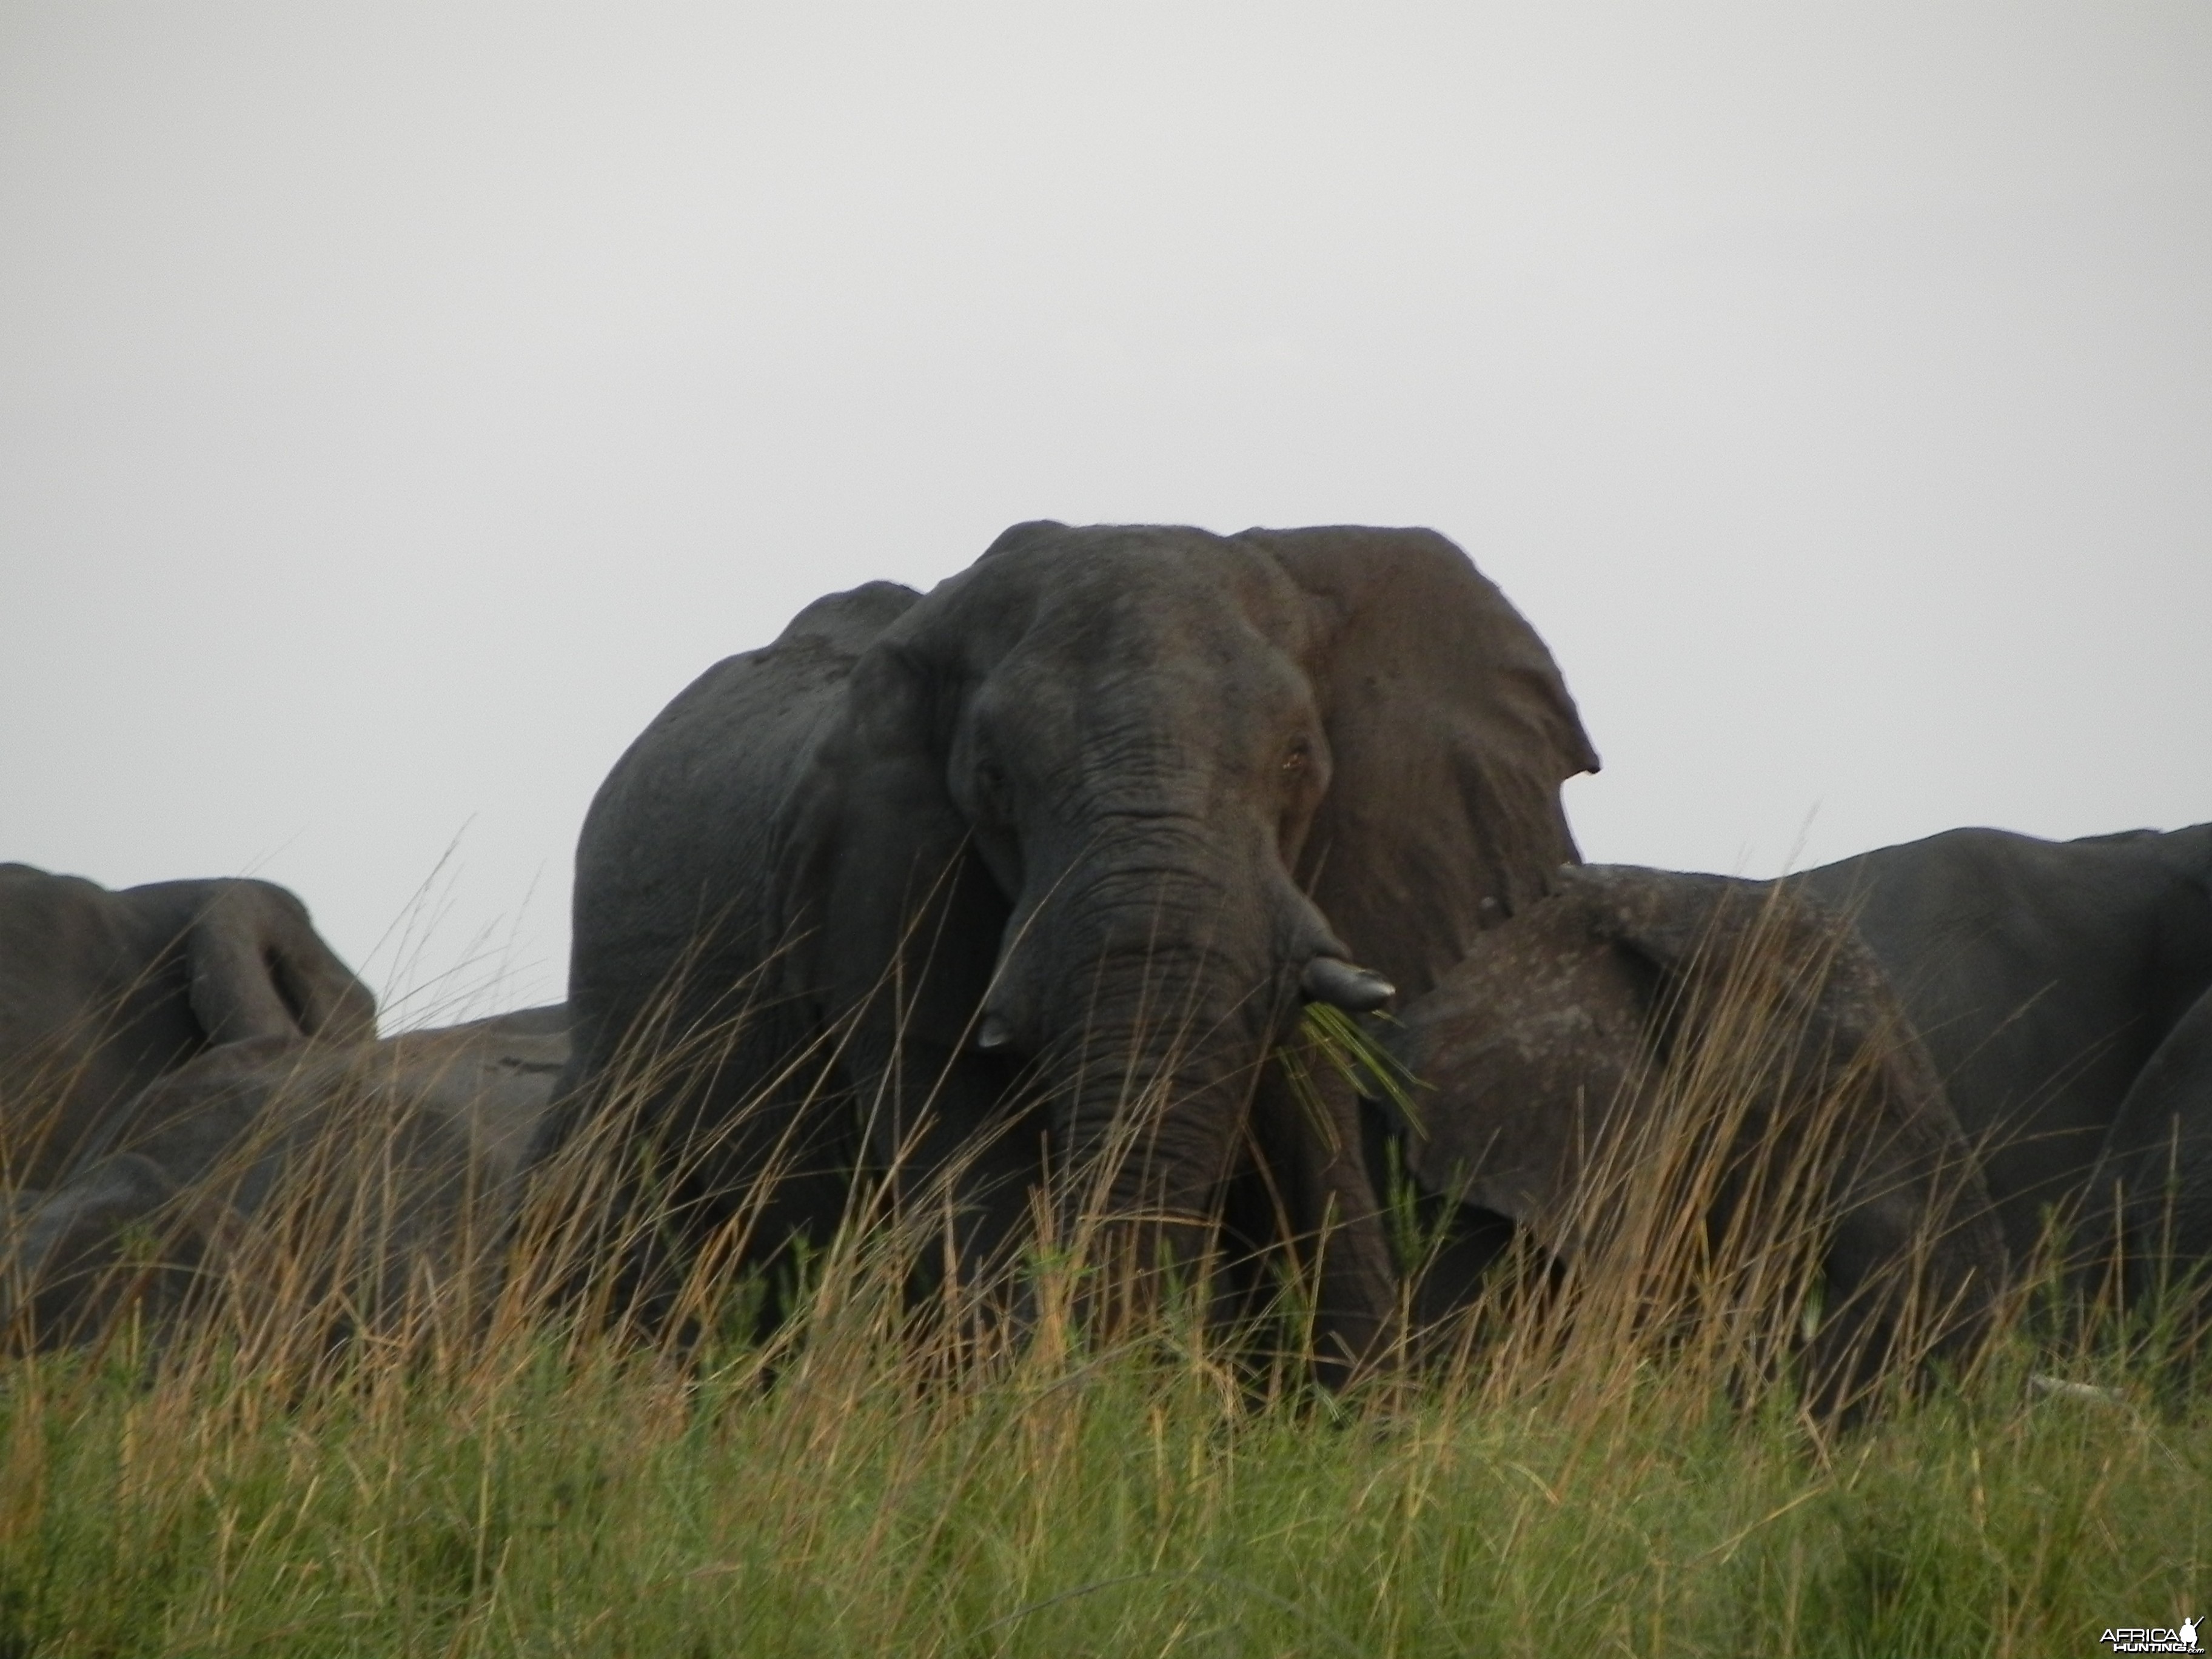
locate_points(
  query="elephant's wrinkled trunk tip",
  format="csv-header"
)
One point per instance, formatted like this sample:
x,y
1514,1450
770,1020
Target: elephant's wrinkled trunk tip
x,y
1338,982
993,1034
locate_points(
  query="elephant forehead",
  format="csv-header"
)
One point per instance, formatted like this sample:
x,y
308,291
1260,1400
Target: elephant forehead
x,y
1185,679
1118,589
1139,668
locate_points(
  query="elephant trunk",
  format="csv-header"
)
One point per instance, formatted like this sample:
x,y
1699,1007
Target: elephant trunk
x,y
1151,978
1154,1120
1191,1154
1157,1035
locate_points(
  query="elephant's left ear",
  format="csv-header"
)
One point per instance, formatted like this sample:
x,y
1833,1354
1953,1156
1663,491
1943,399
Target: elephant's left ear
x,y
1450,732
891,910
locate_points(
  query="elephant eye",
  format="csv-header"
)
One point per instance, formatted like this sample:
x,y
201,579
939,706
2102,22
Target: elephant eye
x,y
1295,762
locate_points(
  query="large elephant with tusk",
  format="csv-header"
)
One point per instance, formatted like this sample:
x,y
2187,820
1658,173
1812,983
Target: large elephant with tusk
x,y
1037,866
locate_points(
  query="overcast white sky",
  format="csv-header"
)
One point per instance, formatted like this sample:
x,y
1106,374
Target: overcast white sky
x,y
398,404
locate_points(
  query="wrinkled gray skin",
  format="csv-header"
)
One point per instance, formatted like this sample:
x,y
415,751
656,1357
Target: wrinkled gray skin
x,y
2152,1188
1541,1054
2042,975
442,1119
103,991
1134,783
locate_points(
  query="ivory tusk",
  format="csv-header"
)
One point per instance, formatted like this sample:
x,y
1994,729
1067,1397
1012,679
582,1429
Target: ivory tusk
x,y
1355,990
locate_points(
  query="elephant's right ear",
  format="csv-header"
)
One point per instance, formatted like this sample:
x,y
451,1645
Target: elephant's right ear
x,y
891,911
1450,731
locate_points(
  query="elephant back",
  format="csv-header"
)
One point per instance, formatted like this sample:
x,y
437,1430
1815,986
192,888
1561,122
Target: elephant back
x,y
675,919
2042,975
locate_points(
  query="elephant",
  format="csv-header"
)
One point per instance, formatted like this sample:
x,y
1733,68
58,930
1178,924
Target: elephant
x,y
2151,1191
103,991
1646,1048
391,1159
1033,868
2042,975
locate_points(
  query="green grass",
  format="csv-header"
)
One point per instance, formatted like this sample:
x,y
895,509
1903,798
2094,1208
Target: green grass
x,y
1142,1502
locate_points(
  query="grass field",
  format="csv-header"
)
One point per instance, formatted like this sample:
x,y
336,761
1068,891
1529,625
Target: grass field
x,y
473,1476
1140,1502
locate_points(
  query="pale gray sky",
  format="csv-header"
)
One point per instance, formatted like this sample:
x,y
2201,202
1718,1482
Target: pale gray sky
x,y
398,404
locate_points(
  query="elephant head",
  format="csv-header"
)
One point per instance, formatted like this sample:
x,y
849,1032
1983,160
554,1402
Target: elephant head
x,y
1160,784
1688,1077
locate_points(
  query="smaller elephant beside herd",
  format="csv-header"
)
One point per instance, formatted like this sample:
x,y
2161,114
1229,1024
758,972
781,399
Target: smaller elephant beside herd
x,y
1203,902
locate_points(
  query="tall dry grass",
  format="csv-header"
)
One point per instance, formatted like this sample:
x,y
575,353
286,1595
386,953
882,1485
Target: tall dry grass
x,y
344,1435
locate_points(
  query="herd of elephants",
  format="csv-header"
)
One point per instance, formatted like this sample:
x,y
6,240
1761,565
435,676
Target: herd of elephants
x,y
954,895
